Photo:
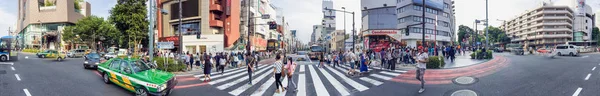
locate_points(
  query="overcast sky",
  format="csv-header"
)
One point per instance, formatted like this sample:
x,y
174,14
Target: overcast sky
x,y
303,14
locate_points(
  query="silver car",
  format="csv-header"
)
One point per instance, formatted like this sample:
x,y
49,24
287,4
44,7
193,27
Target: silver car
x,y
76,53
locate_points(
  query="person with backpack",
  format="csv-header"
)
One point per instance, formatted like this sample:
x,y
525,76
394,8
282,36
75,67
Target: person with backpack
x,y
290,67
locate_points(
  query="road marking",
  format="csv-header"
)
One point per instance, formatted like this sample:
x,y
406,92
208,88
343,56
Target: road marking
x,y
389,73
26,92
374,82
241,89
585,56
319,87
577,91
229,77
381,76
349,81
244,78
301,85
224,74
13,68
26,57
261,90
336,84
302,68
588,76
283,83
7,63
593,68
18,78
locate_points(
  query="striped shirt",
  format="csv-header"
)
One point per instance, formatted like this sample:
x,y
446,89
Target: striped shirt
x,y
278,66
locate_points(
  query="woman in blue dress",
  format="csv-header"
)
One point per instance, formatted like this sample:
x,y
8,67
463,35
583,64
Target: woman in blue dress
x,y
363,63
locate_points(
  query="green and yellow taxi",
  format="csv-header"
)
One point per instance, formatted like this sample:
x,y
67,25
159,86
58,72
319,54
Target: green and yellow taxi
x,y
52,54
136,76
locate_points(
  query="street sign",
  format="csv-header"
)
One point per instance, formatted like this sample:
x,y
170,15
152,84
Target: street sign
x,y
165,45
265,16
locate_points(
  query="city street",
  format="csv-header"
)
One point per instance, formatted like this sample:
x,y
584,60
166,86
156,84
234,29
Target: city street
x,y
561,76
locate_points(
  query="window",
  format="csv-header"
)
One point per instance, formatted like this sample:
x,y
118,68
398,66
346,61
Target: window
x,y
445,14
114,64
418,8
403,19
399,1
124,66
189,28
417,19
401,9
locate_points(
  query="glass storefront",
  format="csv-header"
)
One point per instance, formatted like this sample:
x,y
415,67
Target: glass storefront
x,y
189,28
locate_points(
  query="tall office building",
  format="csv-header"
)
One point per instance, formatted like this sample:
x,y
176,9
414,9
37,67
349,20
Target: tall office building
x,y
41,22
217,21
380,31
543,26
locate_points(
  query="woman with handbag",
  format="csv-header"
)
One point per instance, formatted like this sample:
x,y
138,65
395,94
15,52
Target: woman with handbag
x,y
290,68
277,70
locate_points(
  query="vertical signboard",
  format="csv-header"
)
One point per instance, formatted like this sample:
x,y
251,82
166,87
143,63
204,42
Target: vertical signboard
x,y
580,8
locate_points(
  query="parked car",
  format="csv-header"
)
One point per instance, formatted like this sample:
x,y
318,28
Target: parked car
x,y
76,53
571,50
110,55
498,49
136,76
518,51
543,50
91,60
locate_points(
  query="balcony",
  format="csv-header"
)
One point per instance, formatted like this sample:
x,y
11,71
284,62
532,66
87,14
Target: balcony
x,y
216,23
216,7
45,8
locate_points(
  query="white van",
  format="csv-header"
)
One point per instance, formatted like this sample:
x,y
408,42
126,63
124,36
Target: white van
x,y
571,50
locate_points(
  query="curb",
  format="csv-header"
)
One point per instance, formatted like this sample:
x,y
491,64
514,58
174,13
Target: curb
x,y
446,76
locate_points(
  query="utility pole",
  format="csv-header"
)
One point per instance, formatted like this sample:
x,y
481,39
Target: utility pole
x,y
423,25
248,50
487,40
151,19
180,30
353,33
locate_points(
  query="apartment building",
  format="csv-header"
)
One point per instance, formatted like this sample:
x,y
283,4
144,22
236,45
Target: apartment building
x,y
40,22
207,25
544,26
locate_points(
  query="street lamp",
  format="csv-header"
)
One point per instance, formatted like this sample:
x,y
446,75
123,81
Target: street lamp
x,y
353,24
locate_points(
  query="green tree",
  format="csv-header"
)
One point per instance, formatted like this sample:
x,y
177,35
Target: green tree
x,y
129,17
89,30
464,32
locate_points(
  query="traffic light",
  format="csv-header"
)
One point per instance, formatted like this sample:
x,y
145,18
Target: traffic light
x,y
407,31
272,25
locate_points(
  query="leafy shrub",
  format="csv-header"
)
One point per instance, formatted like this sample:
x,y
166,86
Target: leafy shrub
x,y
435,62
473,55
488,55
172,65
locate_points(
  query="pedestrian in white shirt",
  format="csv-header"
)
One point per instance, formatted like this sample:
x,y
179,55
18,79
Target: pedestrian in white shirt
x,y
421,59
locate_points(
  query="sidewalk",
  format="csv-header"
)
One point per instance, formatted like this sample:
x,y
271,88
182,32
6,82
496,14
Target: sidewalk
x,y
461,60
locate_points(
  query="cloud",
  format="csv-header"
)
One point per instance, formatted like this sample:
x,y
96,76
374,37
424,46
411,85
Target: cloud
x,y
9,20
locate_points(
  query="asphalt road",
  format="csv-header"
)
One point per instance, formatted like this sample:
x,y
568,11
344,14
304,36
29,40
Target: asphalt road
x,y
530,75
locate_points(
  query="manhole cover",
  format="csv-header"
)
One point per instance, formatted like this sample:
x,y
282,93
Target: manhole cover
x,y
464,93
465,80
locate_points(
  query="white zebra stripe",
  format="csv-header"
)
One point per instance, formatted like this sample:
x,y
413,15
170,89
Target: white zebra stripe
x,y
302,68
261,90
301,85
336,84
319,87
244,78
389,73
381,76
374,82
245,87
229,77
350,82
284,83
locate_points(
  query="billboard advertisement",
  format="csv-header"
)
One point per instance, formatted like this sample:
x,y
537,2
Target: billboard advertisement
x,y
580,8
438,4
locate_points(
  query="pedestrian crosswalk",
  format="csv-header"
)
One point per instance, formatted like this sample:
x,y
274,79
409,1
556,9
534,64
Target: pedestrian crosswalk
x,y
310,79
